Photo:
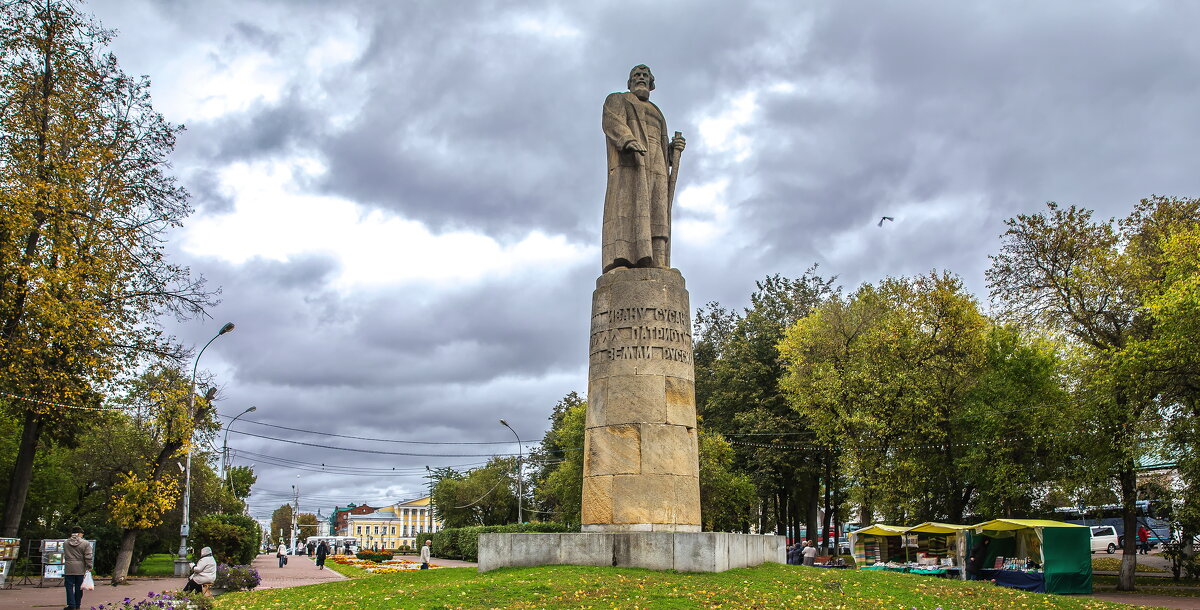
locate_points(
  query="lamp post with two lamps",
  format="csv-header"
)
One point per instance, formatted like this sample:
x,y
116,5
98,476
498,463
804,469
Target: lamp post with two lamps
x,y
520,471
182,565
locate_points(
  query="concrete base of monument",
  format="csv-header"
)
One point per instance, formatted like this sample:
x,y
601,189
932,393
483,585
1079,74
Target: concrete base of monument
x,y
679,551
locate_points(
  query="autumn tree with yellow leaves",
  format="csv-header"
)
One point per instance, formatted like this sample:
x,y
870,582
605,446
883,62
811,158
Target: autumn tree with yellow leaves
x,y
85,202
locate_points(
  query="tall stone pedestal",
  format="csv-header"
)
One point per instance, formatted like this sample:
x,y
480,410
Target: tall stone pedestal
x,y
641,462
641,480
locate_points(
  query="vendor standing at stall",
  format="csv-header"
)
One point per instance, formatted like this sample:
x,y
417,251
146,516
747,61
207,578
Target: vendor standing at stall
x,y
978,555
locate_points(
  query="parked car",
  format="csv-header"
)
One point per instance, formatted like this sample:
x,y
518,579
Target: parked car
x,y
1104,538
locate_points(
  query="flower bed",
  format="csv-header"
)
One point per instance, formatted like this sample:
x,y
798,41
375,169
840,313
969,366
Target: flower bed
x,y
386,567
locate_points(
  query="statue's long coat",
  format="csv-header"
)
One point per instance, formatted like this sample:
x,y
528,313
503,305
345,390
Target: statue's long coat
x,y
636,208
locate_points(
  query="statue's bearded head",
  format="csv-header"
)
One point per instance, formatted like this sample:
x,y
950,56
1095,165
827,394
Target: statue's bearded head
x,y
641,81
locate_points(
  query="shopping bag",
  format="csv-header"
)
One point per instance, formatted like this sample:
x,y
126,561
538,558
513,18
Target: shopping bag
x,y
88,583
285,560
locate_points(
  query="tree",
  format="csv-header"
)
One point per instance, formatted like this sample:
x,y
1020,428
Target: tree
x,y
726,497
1089,281
738,372
240,479
484,496
281,524
150,487
84,202
905,385
306,525
559,479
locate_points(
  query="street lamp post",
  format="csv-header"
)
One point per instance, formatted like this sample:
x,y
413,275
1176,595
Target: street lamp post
x,y
182,566
225,443
520,471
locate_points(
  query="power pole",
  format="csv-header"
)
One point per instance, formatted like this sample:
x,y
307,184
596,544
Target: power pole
x,y
295,514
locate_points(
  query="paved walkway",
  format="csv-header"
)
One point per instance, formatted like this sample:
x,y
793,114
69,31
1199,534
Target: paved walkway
x,y
299,571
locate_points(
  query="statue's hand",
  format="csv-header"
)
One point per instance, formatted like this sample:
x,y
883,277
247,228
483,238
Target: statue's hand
x,y
635,146
678,143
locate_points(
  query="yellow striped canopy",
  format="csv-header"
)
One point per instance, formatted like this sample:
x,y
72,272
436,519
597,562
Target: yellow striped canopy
x,y
1002,525
933,527
880,529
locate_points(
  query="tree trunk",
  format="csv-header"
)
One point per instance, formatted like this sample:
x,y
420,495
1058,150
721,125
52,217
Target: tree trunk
x,y
813,504
827,512
124,556
1128,478
22,474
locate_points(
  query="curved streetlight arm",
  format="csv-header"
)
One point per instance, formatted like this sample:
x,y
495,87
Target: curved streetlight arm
x,y
225,443
520,469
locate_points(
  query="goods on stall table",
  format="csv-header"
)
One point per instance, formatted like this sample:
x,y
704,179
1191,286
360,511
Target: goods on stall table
x,y
9,547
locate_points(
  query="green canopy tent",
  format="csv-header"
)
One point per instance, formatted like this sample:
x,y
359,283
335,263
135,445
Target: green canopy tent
x,y
1063,550
942,540
877,543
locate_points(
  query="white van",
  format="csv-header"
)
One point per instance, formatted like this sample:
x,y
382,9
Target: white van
x,y
1104,538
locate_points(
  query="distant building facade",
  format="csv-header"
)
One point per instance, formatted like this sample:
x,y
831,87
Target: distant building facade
x,y
393,526
341,514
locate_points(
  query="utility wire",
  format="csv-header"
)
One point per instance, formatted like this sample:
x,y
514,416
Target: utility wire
x,y
378,440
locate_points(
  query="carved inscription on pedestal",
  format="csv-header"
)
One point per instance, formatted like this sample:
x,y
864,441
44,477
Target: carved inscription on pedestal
x,y
641,333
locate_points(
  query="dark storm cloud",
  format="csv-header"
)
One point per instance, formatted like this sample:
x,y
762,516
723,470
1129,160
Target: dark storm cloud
x,y
951,117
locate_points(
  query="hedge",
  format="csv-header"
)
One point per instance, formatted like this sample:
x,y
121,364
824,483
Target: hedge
x,y
463,542
233,538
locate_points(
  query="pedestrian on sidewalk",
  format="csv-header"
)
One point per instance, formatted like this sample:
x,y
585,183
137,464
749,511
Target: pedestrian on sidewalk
x,y
281,554
425,555
322,551
77,554
1143,535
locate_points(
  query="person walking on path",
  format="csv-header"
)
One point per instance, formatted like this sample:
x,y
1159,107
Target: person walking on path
x,y
810,553
77,553
425,555
281,554
204,572
1143,535
322,551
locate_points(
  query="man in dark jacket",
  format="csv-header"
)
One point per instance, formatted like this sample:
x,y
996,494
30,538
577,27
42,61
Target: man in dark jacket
x,y
77,554
322,551
978,555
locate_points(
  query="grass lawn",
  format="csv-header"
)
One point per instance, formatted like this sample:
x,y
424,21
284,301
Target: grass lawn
x,y
161,564
766,586
1149,586
345,570
1113,564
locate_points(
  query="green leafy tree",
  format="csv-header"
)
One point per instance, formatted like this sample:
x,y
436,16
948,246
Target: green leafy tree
x,y
483,496
738,373
306,524
1090,281
281,524
727,498
85,201
904,378
559,479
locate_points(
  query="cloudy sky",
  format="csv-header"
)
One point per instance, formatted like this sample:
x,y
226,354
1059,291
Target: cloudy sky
x,y
401,200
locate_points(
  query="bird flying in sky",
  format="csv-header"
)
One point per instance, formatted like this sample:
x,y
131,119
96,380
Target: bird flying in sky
x,y
885,218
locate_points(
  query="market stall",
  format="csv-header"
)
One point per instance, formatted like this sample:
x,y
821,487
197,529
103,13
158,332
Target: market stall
x,y
1035,555
940,548
878,544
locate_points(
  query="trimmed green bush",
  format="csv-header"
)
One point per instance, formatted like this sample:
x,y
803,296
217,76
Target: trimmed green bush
x,y
373,556
463,542
233,538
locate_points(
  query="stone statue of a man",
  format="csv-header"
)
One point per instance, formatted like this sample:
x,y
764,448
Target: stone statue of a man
x,y
641,160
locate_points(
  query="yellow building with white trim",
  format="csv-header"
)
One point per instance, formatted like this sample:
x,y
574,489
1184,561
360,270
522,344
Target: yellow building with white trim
x,y
392,527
